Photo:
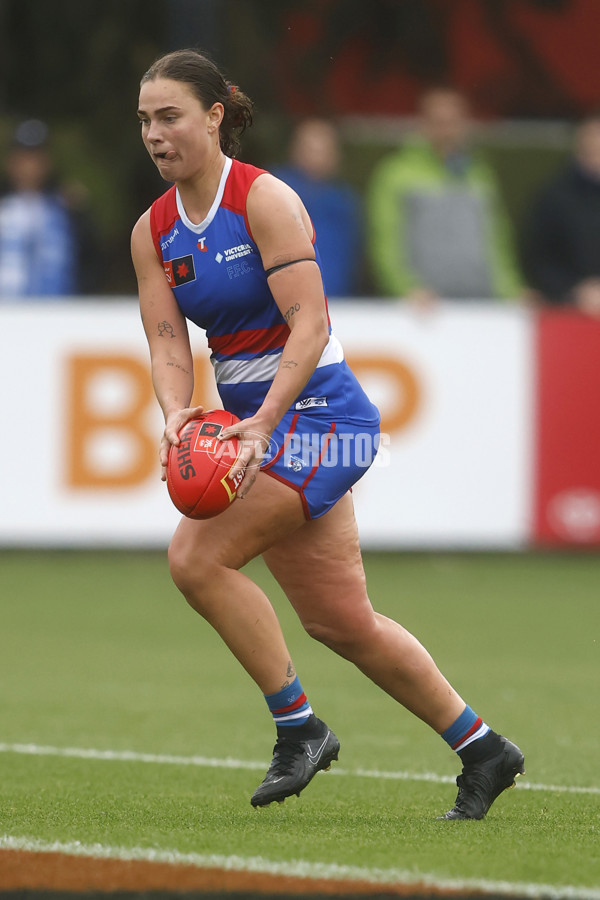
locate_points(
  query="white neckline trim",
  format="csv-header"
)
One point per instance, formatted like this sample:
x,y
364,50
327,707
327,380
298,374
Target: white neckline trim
x,y
198,229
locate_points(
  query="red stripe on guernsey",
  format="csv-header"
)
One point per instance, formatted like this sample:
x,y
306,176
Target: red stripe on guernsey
x,y
295,705
163,215
255,340
477,724
239,181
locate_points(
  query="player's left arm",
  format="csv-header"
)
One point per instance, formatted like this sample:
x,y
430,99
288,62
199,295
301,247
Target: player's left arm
x,y
282,230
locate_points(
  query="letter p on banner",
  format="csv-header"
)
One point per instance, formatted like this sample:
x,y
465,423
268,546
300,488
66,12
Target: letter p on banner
x,y
108,440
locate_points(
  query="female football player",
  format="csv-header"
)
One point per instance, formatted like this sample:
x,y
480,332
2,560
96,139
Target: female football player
x,y
231,249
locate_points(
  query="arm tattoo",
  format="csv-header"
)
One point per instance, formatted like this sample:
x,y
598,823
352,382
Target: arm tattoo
x,y
289,364
177,366
293,309
165,329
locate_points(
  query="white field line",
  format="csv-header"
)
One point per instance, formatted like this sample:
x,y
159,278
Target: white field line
x,y
228,763
303,869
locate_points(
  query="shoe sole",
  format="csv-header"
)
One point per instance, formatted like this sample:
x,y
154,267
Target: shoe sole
x,y
324,765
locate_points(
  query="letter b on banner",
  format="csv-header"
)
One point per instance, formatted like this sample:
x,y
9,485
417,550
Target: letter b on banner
x,y
109,438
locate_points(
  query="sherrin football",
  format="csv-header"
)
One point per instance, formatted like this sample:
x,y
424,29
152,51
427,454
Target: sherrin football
x,y
198,469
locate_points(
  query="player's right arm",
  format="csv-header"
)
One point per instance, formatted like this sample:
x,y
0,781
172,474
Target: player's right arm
x,y
166,331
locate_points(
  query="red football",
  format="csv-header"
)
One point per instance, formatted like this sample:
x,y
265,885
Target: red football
x,y
198,469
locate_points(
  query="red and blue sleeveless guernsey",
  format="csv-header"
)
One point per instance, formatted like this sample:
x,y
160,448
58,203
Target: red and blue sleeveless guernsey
x,y
216,273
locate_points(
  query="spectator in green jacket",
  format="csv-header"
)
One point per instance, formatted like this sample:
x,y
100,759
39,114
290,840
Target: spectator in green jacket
x,y
438,227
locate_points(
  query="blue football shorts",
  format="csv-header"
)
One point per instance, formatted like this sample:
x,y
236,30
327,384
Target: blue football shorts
x,y
320,458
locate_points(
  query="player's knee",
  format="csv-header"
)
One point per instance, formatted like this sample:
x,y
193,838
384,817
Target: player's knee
x,y
320,632
345,637
190,571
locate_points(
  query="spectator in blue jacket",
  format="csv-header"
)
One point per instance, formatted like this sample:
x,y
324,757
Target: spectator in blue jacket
x,y
333,205
47,245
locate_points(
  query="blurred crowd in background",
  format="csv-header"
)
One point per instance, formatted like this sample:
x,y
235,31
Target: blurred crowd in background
x,y
443,151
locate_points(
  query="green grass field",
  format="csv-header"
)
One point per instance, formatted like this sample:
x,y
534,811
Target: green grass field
x,y
99,653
